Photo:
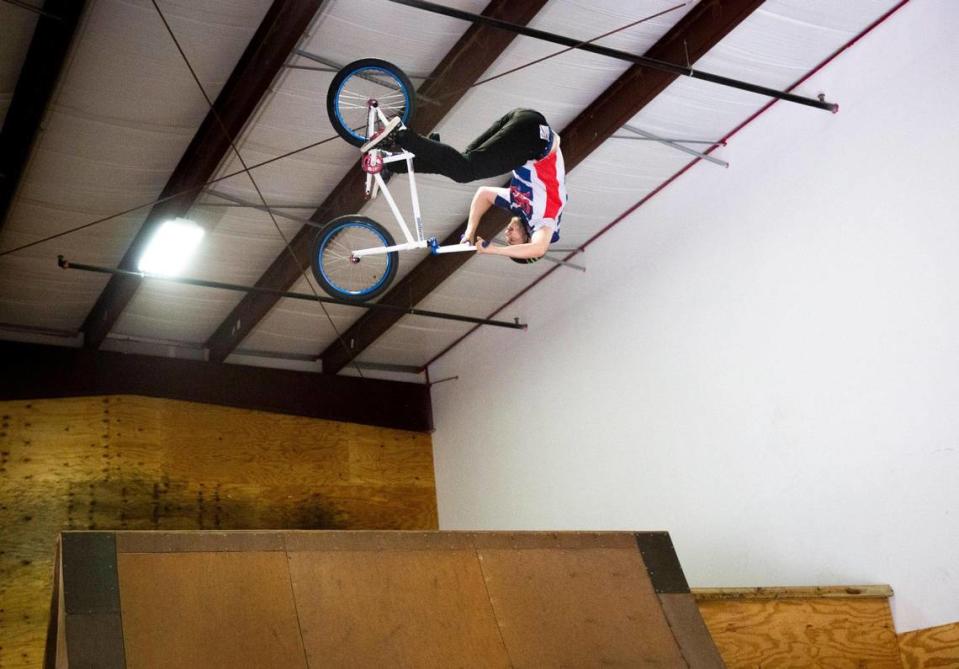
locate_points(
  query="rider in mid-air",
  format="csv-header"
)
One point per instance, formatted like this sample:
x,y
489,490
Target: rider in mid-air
x,y
521,142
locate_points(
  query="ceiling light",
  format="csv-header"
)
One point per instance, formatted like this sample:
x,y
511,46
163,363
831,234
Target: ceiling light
x,y
171,247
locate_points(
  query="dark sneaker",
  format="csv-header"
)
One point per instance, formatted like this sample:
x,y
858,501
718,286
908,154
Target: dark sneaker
x,y
383,135
434,136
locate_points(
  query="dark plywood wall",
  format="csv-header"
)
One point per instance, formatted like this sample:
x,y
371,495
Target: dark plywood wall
x,y
129,462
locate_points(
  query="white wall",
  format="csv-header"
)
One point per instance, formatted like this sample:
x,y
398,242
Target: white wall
x,y
762,360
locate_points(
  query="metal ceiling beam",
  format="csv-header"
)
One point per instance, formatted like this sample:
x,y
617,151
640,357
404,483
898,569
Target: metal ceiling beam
x,y
35,371
647,61
277,35
469,58
219,285
676,145
697,32
38,78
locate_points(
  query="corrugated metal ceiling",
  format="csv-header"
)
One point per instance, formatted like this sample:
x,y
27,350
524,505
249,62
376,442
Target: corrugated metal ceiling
x,y
126,108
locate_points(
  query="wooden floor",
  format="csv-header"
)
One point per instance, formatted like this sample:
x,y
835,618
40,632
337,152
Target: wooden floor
x,y
141,463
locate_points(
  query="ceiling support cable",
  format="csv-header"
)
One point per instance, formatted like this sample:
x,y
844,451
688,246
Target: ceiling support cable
x,y
675,145
701,28
236,151
336,67
246,170
168,198
333,66
240,202
682,171
708,142
644,61
555,261
570,48
232,205
66,264
466,61
35,10
43,64
277,34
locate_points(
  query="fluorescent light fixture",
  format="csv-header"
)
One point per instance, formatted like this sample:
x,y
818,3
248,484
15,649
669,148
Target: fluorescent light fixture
x,y
171,247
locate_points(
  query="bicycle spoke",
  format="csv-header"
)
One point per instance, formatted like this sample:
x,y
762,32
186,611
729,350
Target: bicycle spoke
x,y
342,270
357,90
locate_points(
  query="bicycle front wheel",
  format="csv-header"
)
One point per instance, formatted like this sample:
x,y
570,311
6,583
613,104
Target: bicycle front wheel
x,y
365,82
343,275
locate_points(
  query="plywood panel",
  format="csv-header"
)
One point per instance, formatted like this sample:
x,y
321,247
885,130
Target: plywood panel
x,y
793,633
933,647
578,607
380,598
144,463
690,631
395,608
208,610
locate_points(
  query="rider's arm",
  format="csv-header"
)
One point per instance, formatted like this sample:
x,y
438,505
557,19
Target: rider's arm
x,y
482,201
535,248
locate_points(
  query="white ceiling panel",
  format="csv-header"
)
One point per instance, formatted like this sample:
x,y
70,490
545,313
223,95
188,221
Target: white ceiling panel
x,y
121,118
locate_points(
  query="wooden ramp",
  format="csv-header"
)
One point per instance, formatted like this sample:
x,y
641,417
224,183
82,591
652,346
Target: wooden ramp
x,y
372,599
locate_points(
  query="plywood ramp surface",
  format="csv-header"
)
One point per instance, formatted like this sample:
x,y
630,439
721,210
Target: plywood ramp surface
x,y
577,607
402,599
219,609
933,647
795,633
395,608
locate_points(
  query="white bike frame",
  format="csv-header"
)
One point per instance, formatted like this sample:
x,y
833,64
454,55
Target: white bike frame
x,y
375,182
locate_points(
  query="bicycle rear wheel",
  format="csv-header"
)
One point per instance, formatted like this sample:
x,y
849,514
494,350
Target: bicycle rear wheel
x,y
361,83
341,274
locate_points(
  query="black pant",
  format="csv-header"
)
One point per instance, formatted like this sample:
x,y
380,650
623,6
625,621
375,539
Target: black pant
x,y
504,146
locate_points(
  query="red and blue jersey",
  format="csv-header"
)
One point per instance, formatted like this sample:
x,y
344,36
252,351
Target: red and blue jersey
x,y
537,193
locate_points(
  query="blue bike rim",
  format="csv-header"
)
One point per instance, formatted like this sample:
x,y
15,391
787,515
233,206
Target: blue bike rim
x,y
384,275
379,70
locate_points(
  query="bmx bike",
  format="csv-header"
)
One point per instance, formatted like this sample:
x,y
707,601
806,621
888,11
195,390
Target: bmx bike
x,y
354,258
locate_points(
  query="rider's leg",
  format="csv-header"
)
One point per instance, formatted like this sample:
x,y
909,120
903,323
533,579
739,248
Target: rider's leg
x,y
507,144
421,165
435,157
492,130
517,140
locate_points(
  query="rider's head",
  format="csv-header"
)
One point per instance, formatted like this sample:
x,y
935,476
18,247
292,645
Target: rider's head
x,y
517,233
